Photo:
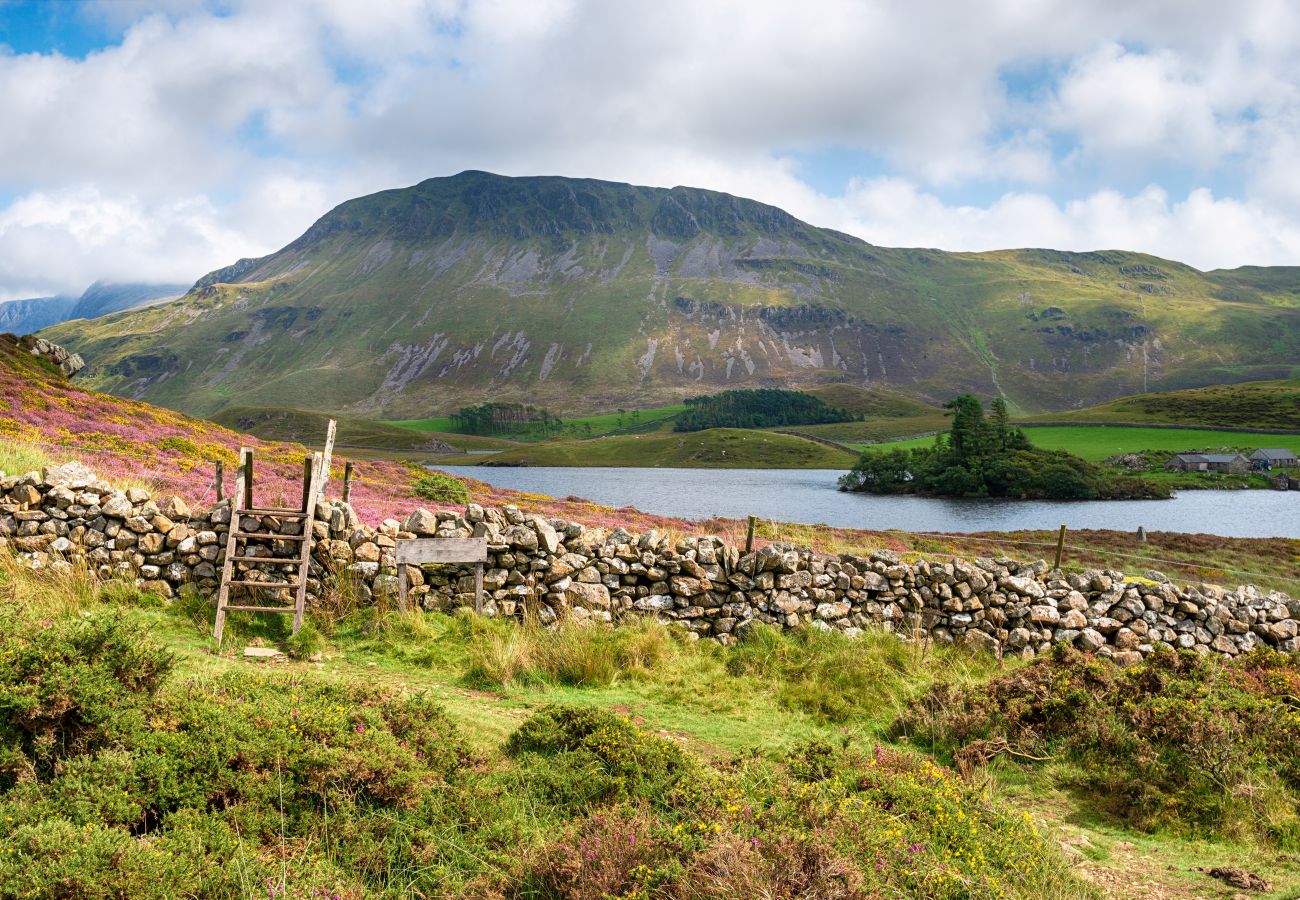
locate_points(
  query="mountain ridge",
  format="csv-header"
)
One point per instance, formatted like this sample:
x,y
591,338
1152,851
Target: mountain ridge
x,y
584,294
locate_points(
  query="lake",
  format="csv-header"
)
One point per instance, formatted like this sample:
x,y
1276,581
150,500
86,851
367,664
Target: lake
x,y
809,496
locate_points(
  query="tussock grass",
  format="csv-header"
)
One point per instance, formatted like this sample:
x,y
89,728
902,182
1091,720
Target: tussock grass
x,y
64,588
18,458
500,655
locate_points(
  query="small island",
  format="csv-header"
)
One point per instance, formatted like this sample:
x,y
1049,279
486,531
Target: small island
x,y
986,456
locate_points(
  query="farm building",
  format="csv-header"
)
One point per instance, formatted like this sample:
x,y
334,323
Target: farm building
x,y
1273,458
1208,462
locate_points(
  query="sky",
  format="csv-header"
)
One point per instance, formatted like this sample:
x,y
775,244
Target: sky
x,y
156,140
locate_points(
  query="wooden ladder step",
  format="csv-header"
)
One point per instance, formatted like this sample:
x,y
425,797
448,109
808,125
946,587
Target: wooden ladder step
x,y
274,560
270,609
277,585
266,536
280,513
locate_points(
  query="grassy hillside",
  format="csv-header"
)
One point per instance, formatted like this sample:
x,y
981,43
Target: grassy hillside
x,y
578,294
303,427
1251,404
873,401
722,448
437,756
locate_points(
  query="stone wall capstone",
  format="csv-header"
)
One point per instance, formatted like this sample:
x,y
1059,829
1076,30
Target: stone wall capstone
x,y
555,569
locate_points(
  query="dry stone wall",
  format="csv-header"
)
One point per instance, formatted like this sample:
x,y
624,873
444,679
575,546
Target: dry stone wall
x,y
555,569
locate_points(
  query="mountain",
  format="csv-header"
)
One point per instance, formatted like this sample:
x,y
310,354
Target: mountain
x,y
581,295
102,297
26,316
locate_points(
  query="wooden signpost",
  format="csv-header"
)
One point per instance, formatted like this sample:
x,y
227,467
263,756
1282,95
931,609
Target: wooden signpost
x,y
442,551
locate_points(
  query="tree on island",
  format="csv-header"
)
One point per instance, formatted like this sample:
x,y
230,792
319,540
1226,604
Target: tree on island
x,y
989,457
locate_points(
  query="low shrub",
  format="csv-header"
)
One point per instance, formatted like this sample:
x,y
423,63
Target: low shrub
x,y
440,487
1184,742
593,756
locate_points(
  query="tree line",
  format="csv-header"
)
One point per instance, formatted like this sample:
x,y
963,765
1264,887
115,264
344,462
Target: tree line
x,y
506,418
757,408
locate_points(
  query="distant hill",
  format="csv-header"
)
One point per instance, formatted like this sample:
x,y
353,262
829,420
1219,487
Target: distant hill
x,y
102,298
303,427
1252,404
581,295
33,314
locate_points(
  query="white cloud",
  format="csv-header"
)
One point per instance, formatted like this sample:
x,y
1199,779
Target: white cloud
x,y
263,116
1201,230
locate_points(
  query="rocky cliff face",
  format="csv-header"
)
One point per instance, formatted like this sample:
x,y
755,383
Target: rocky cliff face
x,y
578,293
555,569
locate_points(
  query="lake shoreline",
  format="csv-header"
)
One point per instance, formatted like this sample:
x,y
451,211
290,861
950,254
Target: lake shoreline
x,y
812,497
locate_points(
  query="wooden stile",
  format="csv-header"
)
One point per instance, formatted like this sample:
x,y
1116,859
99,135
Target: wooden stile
x,y
242,504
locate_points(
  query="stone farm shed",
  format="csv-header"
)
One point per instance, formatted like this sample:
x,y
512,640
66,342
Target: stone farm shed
x,y
1274,458
1208,462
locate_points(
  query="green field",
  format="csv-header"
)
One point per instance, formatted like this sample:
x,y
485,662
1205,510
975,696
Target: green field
x,y
1095,443
722,448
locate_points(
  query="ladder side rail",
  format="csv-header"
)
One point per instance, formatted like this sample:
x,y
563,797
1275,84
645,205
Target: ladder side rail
x,y
317,463
243,476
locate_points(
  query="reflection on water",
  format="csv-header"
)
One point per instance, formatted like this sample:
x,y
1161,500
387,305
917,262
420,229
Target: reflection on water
x,y
809,496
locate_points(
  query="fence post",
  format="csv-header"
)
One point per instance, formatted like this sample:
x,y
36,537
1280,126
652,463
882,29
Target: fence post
x,y
1060,546
220,483
749,535
248,477
347,481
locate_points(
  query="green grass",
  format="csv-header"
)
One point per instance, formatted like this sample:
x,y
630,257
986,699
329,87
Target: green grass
x,y
1095,443
724,448
19,459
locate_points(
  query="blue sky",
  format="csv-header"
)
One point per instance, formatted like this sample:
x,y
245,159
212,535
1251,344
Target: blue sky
x,y
158,139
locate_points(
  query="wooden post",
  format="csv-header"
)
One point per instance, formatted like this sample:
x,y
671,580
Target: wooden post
x,y
307,499
478,589
330,430
220,482
402,582
347,481
246,461
749,535
1060,546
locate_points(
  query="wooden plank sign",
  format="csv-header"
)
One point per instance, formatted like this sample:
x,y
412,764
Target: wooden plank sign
x,y
431,551
427,551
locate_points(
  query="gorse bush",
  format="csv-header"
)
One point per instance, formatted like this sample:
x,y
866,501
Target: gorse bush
x,y
1182,742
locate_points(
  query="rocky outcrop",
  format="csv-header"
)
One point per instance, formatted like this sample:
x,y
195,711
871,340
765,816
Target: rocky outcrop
x,y
555,569
69,363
